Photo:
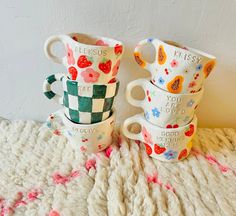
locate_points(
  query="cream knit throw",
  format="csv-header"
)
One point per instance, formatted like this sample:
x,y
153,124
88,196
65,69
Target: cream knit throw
x,y
40,174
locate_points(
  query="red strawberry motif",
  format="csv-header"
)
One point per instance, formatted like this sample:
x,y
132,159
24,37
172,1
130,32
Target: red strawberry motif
x,y
113,80
84,61
158,149
148,149
118,49
170,126
149,99
99,146
73,72
183,154
190,131
84,140
105,66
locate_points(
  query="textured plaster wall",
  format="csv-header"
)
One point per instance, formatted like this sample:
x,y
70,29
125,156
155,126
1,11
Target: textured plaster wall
x,y
204,24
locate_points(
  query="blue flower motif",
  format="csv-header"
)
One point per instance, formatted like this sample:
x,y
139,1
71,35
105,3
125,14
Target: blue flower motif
x,y
199,67
170,155
155,112
48,123
147,116
150,40
161,81
190,103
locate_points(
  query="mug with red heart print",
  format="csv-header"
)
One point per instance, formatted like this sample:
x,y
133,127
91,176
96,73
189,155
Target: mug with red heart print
x,y
176,69
163,108
165,144
88,59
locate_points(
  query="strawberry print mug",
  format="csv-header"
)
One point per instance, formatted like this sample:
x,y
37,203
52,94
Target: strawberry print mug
x,y
165,144
176,69
163,108
89,138
89,59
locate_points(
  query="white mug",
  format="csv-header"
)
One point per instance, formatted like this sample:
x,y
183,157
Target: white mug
x,y
176,69
162,108
89,138
89,59
165,144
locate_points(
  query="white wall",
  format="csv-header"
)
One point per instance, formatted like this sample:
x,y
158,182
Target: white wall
x,y
204,24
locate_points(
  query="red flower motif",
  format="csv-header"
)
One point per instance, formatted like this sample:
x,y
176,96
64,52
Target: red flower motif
x,y
174,63
191,84
90,75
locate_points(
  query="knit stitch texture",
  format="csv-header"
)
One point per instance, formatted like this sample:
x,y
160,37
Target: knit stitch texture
x,y
40,174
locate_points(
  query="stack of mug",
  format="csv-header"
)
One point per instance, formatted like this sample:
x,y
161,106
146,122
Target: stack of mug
x,y
172,95
89,89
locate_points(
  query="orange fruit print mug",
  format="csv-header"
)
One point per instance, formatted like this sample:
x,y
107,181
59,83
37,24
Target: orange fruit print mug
x,y
89,59
176,69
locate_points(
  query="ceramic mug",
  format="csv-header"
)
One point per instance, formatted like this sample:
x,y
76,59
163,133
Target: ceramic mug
x,y
162,108
83,103
165,144
176,69
90,138
89,59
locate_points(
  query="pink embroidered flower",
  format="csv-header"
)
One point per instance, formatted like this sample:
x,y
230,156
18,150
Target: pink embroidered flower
x,y
174,63
70,57
147,137
116,68
54,213
90,75
90,164
101,43
192,84
33,195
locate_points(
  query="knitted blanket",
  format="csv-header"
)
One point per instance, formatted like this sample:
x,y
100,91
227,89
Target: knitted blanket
x,y
40,174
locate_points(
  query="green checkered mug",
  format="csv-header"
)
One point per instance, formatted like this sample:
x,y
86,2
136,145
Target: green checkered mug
x,y
83,103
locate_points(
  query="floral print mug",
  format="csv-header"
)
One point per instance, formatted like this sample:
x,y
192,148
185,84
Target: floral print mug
x,y
176,69
89,59
165,144
89,138
163,108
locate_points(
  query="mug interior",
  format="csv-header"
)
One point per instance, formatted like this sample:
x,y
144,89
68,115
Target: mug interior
x,y
192,50
94,40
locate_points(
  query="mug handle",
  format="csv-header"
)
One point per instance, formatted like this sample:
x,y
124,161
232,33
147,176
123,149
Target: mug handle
x,y
48,47
47,87
129,121
137,54
129,88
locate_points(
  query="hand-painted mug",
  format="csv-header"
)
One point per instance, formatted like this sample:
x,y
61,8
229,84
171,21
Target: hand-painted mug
x,y
176,69
83,103
165,144
162,108
89,59
89,138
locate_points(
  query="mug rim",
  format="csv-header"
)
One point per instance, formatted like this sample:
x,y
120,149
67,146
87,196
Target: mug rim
x,y
155,127
68,122
179,94
188,50
69,35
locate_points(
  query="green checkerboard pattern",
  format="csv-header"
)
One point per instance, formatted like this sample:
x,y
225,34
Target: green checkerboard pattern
x,y
84,103
88,103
